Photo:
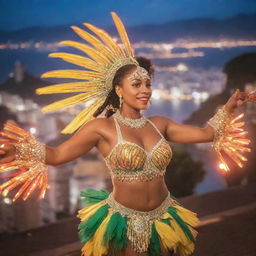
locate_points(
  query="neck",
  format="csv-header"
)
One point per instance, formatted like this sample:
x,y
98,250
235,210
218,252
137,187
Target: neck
x,y
130,112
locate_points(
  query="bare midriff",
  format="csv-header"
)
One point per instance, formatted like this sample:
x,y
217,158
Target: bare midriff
x,y
140,196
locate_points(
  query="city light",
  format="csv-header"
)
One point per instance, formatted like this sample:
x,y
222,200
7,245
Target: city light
x,y
182,67
156,94
33,130
158,50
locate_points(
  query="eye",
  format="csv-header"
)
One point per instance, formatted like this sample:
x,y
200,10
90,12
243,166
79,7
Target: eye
x,y
149,85
136,84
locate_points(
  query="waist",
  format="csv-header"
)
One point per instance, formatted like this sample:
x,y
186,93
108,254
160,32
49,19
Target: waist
x,y
139,195
130,212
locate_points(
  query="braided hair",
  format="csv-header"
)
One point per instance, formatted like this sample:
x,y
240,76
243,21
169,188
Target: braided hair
x,y
112,98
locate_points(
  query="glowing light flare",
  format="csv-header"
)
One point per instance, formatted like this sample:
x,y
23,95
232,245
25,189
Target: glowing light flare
x,y
223,167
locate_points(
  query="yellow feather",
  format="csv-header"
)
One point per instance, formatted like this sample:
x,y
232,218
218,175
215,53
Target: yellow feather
x,y
83,117
78,60
103,35
122,32
69,87
72,73
187,216
88,211
94,54
168,236
95,42
166,215
98,248
87,249
77,99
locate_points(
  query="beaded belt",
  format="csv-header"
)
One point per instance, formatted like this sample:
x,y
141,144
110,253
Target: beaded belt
x,y
139,222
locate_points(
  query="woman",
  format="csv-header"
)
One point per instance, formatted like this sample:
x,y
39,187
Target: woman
x,y
139,217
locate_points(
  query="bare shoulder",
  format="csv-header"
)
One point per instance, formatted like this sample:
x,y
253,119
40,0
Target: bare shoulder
x,y
163,122
160,120
101,121
97,125
103,126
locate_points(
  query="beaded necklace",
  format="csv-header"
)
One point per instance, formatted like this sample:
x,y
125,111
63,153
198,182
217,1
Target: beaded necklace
x,y
133,123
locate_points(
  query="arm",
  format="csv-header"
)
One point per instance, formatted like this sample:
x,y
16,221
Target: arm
x,y
29,158
80,143
181,133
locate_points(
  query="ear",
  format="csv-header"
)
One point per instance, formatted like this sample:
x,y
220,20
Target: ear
x,y
117,89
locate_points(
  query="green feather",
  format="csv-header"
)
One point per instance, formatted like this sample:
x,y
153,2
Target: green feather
x,y
173,212
93,196
166,221
154,245
116,231
88,228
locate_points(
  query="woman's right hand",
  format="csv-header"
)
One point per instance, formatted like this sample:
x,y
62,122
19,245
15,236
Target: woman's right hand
x,y
7,151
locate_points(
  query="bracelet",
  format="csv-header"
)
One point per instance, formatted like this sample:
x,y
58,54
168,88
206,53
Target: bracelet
x,y
30,152
219,122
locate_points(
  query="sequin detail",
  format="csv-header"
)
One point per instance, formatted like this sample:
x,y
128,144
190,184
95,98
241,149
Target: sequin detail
x,y
128,161
139,222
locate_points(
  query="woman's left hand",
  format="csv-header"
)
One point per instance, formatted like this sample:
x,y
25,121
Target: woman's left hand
x,y
237,99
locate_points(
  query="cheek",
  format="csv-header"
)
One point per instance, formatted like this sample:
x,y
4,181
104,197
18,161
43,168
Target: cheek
x,y
131,91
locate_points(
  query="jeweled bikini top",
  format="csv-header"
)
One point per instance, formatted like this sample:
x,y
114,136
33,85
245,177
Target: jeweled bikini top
x,y
128,161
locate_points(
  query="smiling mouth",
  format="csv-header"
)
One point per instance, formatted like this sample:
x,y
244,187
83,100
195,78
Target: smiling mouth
x,y
143,99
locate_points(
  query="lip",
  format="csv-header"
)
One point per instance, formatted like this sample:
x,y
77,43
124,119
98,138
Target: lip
x,y
143,100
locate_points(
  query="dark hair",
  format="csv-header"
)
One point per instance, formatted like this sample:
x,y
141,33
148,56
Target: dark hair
x,y
112,98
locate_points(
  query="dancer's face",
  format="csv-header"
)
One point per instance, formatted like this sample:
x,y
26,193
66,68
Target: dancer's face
x,y
136,92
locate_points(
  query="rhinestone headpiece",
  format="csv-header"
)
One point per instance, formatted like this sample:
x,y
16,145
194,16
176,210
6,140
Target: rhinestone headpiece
x,y
140,73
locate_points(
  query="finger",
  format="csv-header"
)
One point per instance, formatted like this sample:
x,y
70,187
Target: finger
x,y
6,159
239,103
251,92
235,94
5,142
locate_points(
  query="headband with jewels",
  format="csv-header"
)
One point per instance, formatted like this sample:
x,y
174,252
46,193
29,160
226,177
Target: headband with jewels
x,y
105,57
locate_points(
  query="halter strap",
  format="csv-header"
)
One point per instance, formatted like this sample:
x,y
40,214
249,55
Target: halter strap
x,y
155,128
118,130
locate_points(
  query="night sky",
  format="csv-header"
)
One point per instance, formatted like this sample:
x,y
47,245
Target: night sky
x,y
17,14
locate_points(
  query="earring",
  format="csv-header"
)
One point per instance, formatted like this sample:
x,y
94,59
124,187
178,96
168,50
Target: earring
x,y
120,101
149,103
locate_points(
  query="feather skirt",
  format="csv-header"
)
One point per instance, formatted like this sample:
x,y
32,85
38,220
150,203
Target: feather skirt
x,y
104,233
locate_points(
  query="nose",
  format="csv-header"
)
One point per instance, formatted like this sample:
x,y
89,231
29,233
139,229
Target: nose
x,y
146,89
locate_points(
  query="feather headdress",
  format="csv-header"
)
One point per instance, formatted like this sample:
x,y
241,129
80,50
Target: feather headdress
x,y
105,57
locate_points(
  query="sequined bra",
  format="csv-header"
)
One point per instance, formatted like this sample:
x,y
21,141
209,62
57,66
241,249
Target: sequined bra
x,y
128,161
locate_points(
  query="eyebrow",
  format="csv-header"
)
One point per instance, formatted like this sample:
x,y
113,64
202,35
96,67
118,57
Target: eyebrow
x,y
141,79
